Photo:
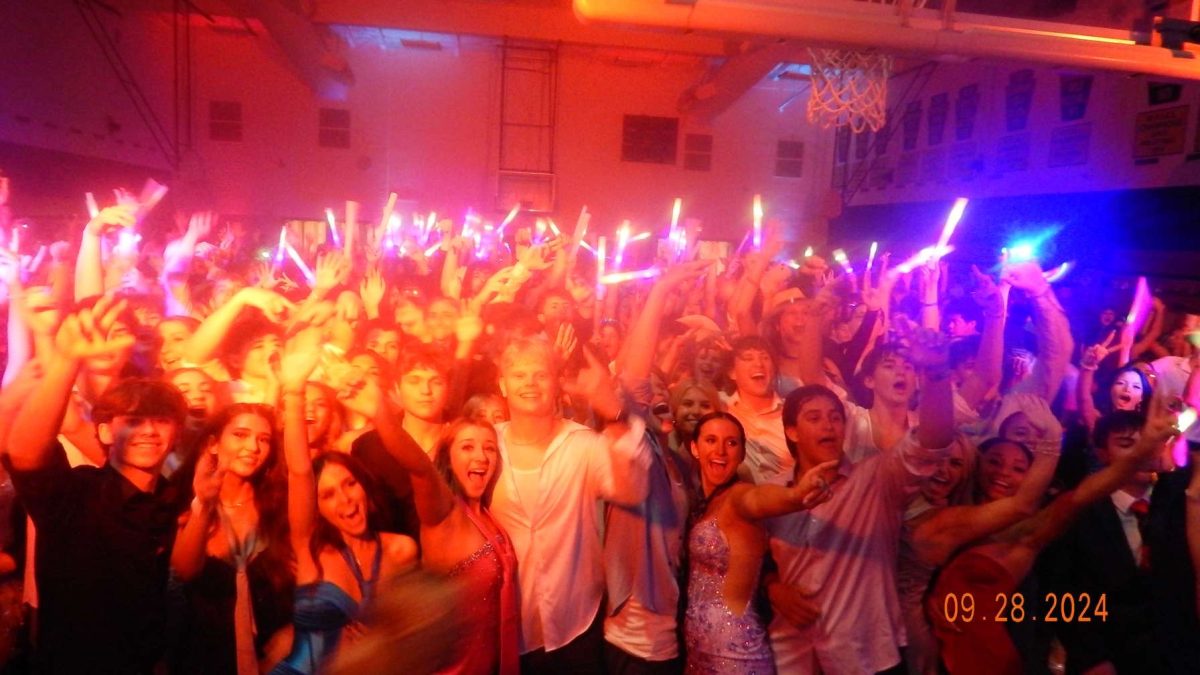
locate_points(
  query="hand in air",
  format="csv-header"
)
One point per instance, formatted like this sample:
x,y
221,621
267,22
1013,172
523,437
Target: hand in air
x,y
85,333
815,486
930,350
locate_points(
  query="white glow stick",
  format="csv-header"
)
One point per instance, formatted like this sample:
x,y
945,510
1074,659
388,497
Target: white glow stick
x,y
512,215
14,244
351,223
621,277
152,193
676,208
639,236
840,257
601,252
1056,274
622,242
955,215
581,225
554,228
871,255
793,264
304,268
808,251
282,244
432,249
758,216
430,223
390,206
92,207
588,246
337,241
540,229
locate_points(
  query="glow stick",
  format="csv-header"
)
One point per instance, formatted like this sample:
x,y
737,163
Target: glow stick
x,y
1055,275
955,215
390,206
871,255
758,216
601,252
793,264
512,214
622,241
432,249
639,236
923,257
676,208
14,244
581,225
351,223
840,257
1139,310
621,277
554,228
92,207
588,247
742,246
808,251
152,193
540,230
282,243
393,224
430,222
337,241
304,268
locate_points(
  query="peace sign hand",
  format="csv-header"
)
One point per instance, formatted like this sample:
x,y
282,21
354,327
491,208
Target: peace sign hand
x,y
85,333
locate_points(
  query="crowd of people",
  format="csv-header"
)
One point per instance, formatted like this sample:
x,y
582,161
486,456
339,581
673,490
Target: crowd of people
x,y
470,458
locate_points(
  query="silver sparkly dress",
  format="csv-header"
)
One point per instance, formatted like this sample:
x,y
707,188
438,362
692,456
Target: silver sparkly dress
x,y
719,641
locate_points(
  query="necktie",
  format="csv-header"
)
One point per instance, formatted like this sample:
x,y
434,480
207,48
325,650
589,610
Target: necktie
x,y
1141,510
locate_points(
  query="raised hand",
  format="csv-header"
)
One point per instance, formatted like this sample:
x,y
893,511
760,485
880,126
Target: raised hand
x,y
299,359
273,305
85,333
541,256
595,385
468,327
675,275
1026,276
112,218
814,487
372,290
206,483
565,343
332,269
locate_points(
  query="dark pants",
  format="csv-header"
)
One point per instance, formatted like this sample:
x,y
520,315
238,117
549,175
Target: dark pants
x,y
617,661
581,656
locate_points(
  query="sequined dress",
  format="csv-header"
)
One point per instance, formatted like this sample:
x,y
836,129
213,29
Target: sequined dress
x,y
719,641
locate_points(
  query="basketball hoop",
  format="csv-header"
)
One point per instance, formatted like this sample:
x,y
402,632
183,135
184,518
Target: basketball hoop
x,y
849,88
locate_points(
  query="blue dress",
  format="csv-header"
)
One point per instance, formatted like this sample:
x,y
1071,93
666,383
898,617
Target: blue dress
x,y
719,642
320,612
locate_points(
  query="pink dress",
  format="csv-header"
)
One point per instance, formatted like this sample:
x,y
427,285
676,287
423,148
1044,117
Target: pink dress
x,y
487,581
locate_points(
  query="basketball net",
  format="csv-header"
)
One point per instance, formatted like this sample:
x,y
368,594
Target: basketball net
x,y
849,88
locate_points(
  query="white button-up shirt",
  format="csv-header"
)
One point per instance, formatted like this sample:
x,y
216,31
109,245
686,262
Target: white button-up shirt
x,y
1123,501
844,552
560,561
767,456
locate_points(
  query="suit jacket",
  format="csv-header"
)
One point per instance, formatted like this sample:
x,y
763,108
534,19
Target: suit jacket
x,y
1177,630
1094,558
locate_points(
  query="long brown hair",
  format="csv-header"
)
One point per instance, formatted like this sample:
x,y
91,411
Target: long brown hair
x,y
441,458
270,489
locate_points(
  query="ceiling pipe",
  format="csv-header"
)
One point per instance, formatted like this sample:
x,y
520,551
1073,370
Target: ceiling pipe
x,y
862,25
303,44
724,85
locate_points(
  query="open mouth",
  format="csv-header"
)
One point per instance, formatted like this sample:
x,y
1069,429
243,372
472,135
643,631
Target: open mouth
x,y
1001,486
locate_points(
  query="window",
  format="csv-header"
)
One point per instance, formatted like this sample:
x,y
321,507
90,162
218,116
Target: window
x,y
697,152
649,139
225,120
789,159
334,128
